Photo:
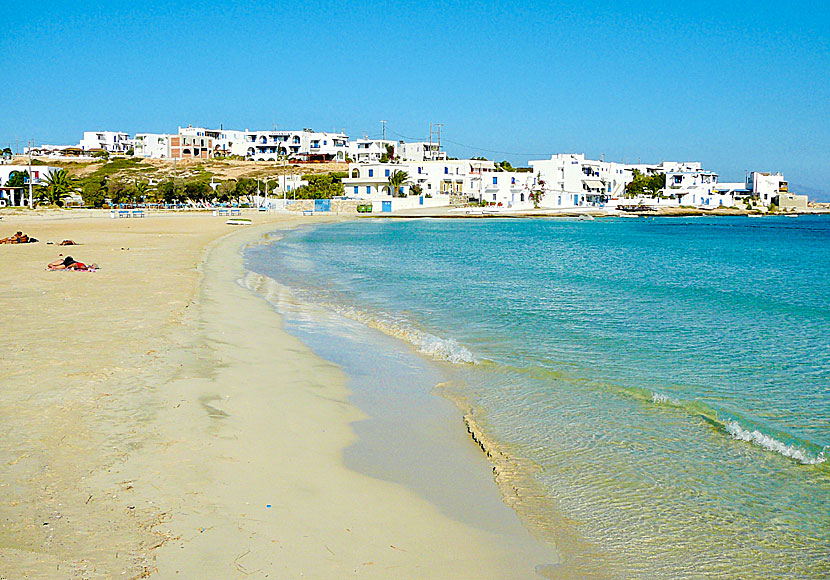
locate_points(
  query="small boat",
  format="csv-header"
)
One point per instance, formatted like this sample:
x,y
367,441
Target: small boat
x,y
239,222
755,215
585,217
790,215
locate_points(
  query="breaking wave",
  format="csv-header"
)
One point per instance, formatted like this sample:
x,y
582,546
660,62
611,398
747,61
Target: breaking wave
x,y
446,349
771,444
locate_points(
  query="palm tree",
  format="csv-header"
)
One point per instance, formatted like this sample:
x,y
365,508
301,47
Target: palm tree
x,y
396,180
141,190
58,186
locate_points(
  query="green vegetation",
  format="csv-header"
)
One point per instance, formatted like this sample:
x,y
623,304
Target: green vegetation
x,y
396,182
94,193
321,186
505,166
57,187
538,192
6,153
645,185
17,179
416,190
364,208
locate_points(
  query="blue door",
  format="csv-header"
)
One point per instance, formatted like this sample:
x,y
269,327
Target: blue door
x,y
386,206
322,205
576,200
421,200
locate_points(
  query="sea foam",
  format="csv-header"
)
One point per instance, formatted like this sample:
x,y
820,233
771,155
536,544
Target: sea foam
x,y
771,444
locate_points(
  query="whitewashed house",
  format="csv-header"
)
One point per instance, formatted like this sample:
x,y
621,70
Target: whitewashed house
x,y
305,145
10,196
371,150
153,145
766,186
571,180
110,141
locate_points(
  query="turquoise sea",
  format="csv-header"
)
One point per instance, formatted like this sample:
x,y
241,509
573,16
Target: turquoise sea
x,y
665,381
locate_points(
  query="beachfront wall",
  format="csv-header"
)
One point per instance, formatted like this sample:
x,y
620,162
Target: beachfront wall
x,y
790,202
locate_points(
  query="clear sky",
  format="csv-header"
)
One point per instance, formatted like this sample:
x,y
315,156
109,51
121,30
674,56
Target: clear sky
x,y
736,85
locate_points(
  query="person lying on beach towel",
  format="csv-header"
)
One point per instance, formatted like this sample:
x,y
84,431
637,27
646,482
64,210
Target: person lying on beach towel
x,y
69,263
18,238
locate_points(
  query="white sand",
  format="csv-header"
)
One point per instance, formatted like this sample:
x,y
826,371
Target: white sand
x,y
150,421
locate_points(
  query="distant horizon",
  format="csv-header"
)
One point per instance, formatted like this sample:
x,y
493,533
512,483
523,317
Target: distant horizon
x,y
699,82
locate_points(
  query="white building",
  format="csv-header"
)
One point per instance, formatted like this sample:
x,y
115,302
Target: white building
x,y
10,196
371,150
443,180
571,181
421,151
154,145
766,186
110,141
305,145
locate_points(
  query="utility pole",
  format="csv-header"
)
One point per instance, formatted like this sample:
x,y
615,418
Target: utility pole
x,y
31,202
383,124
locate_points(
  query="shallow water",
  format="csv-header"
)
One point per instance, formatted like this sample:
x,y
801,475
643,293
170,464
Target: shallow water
x,y
668,377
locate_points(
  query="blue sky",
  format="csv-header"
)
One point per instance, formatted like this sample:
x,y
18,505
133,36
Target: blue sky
x,y
739,86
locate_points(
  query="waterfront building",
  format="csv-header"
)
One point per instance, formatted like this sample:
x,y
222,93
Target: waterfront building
x,y
571,180
448,182
766,186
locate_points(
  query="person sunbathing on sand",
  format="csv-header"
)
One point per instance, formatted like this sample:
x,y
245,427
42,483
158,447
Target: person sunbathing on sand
x,y
69,263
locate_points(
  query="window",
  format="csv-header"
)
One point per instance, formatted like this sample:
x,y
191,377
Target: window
x,y
368,189
325,142
494,197
355,189
371,173
387,173
495,181
512,181
446,170
420,170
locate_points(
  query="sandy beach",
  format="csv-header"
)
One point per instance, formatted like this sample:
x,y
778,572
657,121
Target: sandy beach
x,y
158,422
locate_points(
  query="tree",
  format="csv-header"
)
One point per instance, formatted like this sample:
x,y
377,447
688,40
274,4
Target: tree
x,y
397,179
537,192
58,185
94,193
226,191
142,188
17,179
120,191
321,186
197,190
416,190
246,188
645,185
390,151
168,191
7,153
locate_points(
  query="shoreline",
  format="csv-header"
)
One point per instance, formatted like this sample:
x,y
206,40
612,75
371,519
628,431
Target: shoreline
x,y
193,461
